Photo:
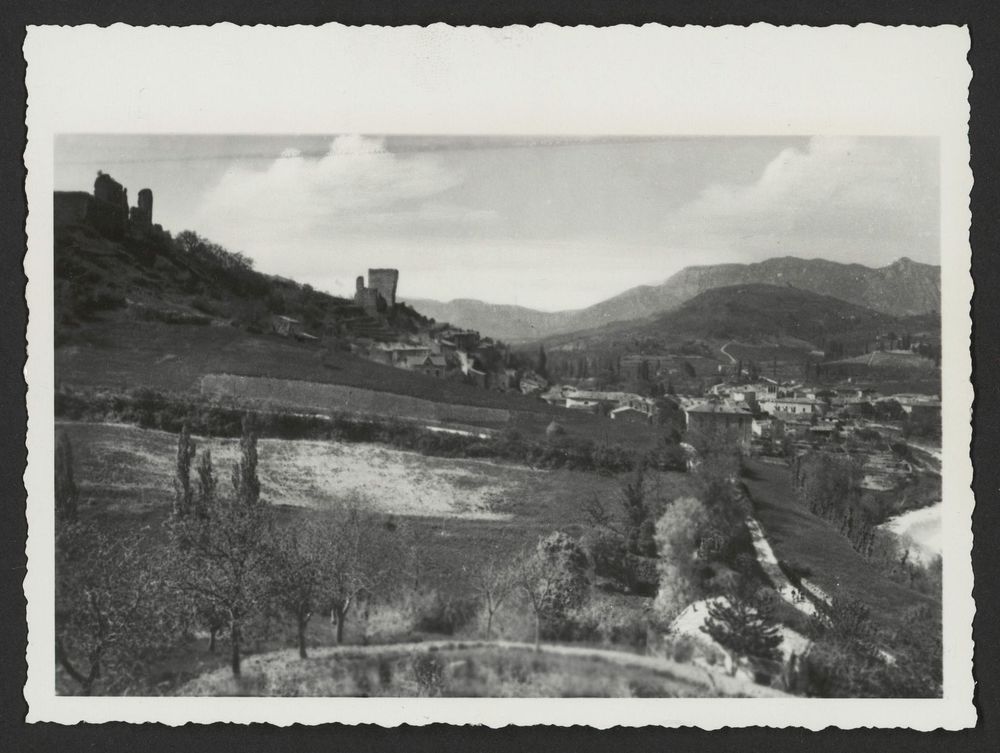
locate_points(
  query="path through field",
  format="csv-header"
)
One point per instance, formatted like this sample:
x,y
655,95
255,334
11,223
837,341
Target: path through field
x,y
809,543
712,681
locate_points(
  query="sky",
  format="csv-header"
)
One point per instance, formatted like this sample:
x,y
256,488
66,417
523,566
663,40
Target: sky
x,y
551,223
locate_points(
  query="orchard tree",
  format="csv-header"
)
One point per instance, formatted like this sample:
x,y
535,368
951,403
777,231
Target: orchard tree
x,y
494,582
114,608
365,561
300,557
112,604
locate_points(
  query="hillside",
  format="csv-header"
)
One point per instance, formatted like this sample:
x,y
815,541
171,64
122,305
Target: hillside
x,y
752,313
902,288
178,315
190,280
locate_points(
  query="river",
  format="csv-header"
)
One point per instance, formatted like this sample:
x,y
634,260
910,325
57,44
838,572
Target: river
x,y
921,529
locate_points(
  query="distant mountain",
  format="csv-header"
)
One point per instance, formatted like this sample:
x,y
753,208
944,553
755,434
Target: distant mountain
x,y
500,320
902,288
745,313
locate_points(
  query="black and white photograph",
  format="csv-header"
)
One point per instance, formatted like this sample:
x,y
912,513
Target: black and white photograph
x,y
371,414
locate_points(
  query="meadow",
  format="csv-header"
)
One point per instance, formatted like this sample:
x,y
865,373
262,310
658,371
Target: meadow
x,y
450,510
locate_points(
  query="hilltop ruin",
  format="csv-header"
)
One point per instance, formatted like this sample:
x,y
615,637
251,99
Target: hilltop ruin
x,y
379,296
107,209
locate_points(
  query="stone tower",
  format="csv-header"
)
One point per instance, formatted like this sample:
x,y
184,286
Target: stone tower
x,y
146,204
142,215
384,281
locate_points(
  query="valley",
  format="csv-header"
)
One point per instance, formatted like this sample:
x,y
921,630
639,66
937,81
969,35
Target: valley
x,y
580,481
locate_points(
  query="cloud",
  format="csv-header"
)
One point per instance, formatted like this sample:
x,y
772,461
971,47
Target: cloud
x,y
866,200
357,186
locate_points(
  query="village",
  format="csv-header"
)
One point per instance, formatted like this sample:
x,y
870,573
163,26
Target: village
x,y
760,415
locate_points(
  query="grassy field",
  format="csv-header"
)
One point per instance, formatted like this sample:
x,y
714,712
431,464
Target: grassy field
x,y
804,540
451,510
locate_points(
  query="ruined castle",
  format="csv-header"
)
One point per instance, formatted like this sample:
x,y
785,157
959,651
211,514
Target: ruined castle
x,y
106,209
379,296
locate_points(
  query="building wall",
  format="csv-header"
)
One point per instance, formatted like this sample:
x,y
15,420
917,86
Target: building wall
x,y
734,427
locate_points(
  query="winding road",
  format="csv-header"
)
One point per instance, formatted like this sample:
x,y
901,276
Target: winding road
x,y
726,352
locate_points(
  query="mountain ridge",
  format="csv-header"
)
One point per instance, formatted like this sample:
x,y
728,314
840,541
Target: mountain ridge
x,y
901,288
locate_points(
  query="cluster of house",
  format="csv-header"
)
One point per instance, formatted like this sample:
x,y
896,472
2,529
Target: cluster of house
x,y
450,352
742,413
769,409
618,406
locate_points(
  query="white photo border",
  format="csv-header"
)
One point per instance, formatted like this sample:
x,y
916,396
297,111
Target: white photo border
x,y
441,80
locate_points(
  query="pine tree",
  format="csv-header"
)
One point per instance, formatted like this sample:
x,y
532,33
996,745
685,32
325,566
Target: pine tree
x,y
183,491
246,485
744,626
66,492
205,501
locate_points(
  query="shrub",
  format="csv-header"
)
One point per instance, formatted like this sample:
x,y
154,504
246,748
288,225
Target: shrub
x,y
435,612
678,537
428,670
682,649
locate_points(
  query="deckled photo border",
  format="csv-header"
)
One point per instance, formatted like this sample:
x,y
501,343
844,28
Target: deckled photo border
x,y
650,80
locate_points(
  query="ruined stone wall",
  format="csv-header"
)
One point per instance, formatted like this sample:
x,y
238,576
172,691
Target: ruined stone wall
x,y
370,300
141,216
146,202
109,209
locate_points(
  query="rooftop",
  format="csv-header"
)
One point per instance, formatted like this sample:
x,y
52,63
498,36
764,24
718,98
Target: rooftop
x,y
714,407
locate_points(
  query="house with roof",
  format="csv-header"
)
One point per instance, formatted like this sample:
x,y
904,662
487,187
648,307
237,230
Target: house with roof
x,y
285,326
429,364
726,421
532,383
802,407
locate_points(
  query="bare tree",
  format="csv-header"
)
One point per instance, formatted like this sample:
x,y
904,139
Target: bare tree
x,y
495,581
298,572
113,606
365,559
